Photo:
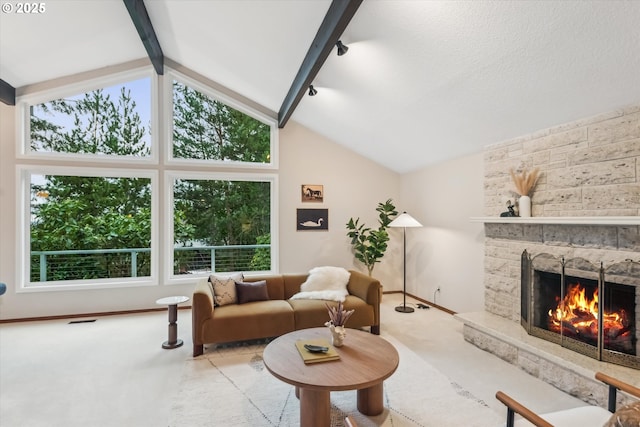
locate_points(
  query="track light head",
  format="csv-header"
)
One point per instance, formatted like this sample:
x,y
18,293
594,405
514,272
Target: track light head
x,y
312,90
342,49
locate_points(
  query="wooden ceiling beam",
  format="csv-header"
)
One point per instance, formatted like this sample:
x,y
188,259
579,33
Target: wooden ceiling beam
x,y
335,22
7,93
140,18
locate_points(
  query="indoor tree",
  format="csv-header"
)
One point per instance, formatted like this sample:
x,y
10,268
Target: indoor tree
x,y
369,244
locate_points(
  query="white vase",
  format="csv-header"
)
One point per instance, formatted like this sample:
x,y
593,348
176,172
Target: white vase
x,y
337,335
524,204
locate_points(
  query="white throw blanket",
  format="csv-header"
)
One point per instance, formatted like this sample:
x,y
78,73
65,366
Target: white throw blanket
x,y
326,283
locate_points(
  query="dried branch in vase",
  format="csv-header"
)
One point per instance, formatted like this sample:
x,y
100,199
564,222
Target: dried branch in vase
x,y
337,315
525,181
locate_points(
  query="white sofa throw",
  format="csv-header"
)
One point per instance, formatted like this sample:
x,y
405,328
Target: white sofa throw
x,y
327,283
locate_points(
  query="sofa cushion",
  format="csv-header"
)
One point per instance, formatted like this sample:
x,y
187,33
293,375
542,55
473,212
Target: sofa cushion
x,y
325,283
313,313
625,416
251,291
235,322
275,285
224,288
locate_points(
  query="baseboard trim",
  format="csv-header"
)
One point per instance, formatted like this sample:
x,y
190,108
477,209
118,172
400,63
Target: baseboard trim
x,y
77,316
147,310
434,305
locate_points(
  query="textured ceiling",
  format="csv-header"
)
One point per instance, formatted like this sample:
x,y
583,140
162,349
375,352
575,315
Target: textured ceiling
x,y
423,81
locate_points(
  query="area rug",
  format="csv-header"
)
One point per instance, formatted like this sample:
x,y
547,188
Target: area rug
x,y
230,386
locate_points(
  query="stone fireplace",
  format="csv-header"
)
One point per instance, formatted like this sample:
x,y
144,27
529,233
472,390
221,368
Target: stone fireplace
x,y
585,227
584,307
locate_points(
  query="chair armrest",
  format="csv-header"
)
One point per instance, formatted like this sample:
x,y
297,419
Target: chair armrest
x,y
513,407
615,385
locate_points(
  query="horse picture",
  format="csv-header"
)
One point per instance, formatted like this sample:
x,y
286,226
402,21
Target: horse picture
x,y
312,193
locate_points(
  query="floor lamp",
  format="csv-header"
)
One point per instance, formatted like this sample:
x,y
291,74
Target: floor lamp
x,y
404,220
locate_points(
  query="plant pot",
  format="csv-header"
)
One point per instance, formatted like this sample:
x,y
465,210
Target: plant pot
x,y
524,205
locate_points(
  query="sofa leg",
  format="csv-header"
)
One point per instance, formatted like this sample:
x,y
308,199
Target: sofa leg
x,y
198,349
375,329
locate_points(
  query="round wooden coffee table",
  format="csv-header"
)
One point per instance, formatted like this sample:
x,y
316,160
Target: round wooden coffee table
x,y
366,360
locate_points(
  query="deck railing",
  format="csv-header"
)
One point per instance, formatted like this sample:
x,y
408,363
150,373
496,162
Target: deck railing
x,y
136,262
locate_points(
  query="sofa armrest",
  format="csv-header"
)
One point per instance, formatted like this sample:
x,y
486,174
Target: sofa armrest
x,y
201,311
368,289
364,287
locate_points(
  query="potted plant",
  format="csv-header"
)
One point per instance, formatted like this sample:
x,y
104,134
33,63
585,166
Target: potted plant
x,y
369,245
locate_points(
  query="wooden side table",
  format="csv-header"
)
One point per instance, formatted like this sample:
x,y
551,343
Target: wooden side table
x,y
172,302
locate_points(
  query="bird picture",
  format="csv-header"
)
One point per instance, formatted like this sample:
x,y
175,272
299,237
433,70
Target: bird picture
x,y
312,224
312,219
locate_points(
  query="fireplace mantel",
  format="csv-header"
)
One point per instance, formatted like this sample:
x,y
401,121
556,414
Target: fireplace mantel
x,y
562,220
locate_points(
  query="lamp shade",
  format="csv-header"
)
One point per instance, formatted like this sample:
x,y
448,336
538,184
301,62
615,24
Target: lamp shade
x,y
404,220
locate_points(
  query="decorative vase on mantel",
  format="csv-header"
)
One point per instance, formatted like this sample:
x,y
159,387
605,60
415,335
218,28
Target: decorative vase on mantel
x,y
524,205
525,182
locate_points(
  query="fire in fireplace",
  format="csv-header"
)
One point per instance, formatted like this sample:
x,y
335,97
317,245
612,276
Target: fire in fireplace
x,y
584,307
576,316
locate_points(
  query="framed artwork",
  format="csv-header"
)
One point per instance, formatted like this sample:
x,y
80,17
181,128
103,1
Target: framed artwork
x,y
312,220
312,193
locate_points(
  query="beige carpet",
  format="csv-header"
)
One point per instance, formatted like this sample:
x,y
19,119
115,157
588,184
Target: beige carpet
x,y
230,386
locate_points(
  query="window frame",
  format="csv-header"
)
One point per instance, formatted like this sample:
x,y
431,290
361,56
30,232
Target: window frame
x,y
169,180
23,232
171,75
158,166
23,117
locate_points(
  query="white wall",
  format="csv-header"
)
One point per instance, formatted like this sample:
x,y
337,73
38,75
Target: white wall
x,y
353,186
448,252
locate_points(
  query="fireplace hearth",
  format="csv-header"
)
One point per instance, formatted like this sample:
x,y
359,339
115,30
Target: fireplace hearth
x,y
582,306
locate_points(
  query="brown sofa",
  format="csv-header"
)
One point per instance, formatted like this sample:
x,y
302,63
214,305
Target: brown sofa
x,y
278,315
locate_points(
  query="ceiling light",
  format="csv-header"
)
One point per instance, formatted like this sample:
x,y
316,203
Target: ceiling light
x,y
312,90
342,49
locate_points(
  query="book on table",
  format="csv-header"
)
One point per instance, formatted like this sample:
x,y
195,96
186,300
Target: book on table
x,y
316,357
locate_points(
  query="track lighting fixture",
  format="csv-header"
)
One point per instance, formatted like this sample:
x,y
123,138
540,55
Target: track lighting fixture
x,y
312,90
342,49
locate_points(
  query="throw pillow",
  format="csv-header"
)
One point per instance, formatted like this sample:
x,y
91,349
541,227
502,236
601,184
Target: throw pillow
x,y
625,416
252,291
224,288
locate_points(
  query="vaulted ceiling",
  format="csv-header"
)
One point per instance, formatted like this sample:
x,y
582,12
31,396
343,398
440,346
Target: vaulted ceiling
x,y
422,82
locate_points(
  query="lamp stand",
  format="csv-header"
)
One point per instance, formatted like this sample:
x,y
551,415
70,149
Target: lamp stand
x,y
403,308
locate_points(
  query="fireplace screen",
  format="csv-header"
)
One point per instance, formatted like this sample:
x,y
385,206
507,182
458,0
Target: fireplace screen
x,y
583,307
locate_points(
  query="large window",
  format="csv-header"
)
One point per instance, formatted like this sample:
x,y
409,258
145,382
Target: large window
x,y
221,225
89,219
110,121
207,129
86,227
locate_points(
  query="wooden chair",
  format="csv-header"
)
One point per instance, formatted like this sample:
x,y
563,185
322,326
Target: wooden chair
x,y
581,416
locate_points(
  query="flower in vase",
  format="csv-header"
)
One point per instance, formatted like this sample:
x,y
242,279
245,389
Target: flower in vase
x,y
338,316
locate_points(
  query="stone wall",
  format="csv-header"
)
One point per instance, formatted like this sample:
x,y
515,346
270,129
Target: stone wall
x,y
590,167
